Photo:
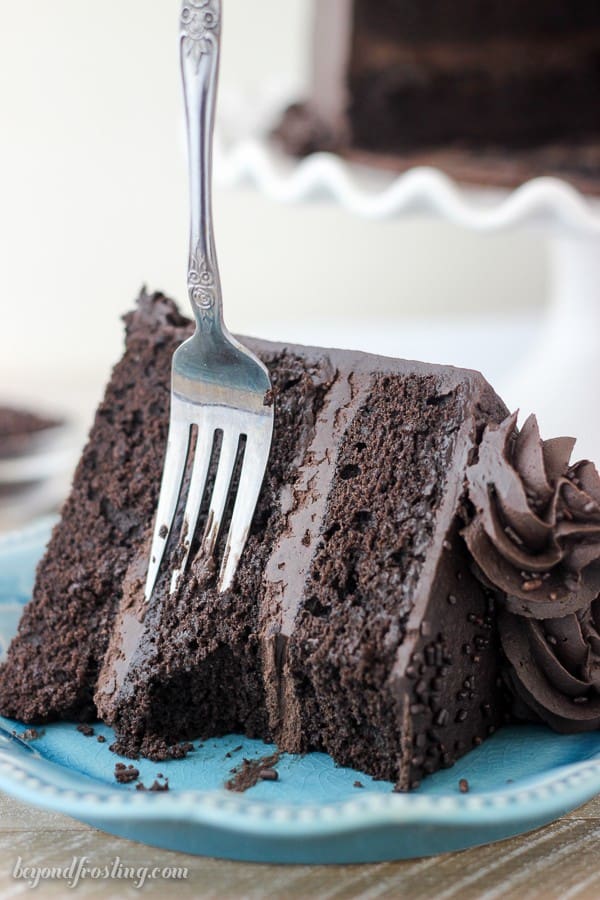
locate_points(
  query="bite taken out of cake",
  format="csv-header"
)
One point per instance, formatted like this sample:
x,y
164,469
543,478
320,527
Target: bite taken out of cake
x,y
364,618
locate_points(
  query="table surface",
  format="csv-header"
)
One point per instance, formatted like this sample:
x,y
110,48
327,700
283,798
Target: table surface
x,y
554,863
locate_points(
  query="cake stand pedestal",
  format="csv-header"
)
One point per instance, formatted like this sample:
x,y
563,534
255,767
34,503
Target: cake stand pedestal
x,y
559,378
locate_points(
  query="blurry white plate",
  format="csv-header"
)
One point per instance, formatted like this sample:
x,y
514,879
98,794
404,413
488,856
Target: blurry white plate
x,y
36,482
49,452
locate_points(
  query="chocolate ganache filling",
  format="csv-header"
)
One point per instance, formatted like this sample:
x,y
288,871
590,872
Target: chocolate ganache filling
x,y
535,536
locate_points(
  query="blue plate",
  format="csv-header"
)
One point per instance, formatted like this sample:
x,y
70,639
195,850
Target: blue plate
x,y
519,779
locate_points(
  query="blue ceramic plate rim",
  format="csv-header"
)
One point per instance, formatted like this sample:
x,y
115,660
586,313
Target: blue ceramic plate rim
x,y
564,788
26,775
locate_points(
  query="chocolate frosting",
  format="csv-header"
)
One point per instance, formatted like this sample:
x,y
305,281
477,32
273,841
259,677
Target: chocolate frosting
x,y
535,536
554,667
535,532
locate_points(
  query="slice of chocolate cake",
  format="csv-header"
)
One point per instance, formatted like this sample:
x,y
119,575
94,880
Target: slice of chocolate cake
x,y
355,624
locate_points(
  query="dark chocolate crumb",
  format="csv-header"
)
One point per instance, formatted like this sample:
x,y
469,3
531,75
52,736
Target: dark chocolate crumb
x,y
101,739
156,786
85,730
163,532
126,774
463,786
358,784
250,772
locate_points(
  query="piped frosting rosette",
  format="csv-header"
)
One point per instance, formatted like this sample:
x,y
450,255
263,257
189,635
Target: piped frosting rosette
x,y
534,533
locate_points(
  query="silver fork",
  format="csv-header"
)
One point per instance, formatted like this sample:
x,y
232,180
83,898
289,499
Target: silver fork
x,y
217,384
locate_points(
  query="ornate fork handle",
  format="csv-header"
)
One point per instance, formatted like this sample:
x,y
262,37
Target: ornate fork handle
x,y
200,40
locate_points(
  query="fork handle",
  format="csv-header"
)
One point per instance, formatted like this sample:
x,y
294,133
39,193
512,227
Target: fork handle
x,y
200,39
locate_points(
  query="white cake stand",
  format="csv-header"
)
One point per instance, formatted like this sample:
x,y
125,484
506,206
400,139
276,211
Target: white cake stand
x,y
560,377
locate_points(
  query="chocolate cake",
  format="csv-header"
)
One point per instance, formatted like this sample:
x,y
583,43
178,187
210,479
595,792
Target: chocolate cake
x,y
355,625
491,91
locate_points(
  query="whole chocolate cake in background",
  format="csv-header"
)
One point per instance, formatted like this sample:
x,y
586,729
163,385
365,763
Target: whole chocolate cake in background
x,y
492,91
405,533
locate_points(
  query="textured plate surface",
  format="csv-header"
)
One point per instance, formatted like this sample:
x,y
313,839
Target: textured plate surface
x,y
520,779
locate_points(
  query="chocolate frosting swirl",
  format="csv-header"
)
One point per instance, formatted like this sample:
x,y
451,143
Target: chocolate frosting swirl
x,y
554,668
535,531
535,536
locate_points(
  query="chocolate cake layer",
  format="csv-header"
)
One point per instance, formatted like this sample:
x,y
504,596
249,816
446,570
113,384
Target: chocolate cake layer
x,y
512,92
354,626
453,20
